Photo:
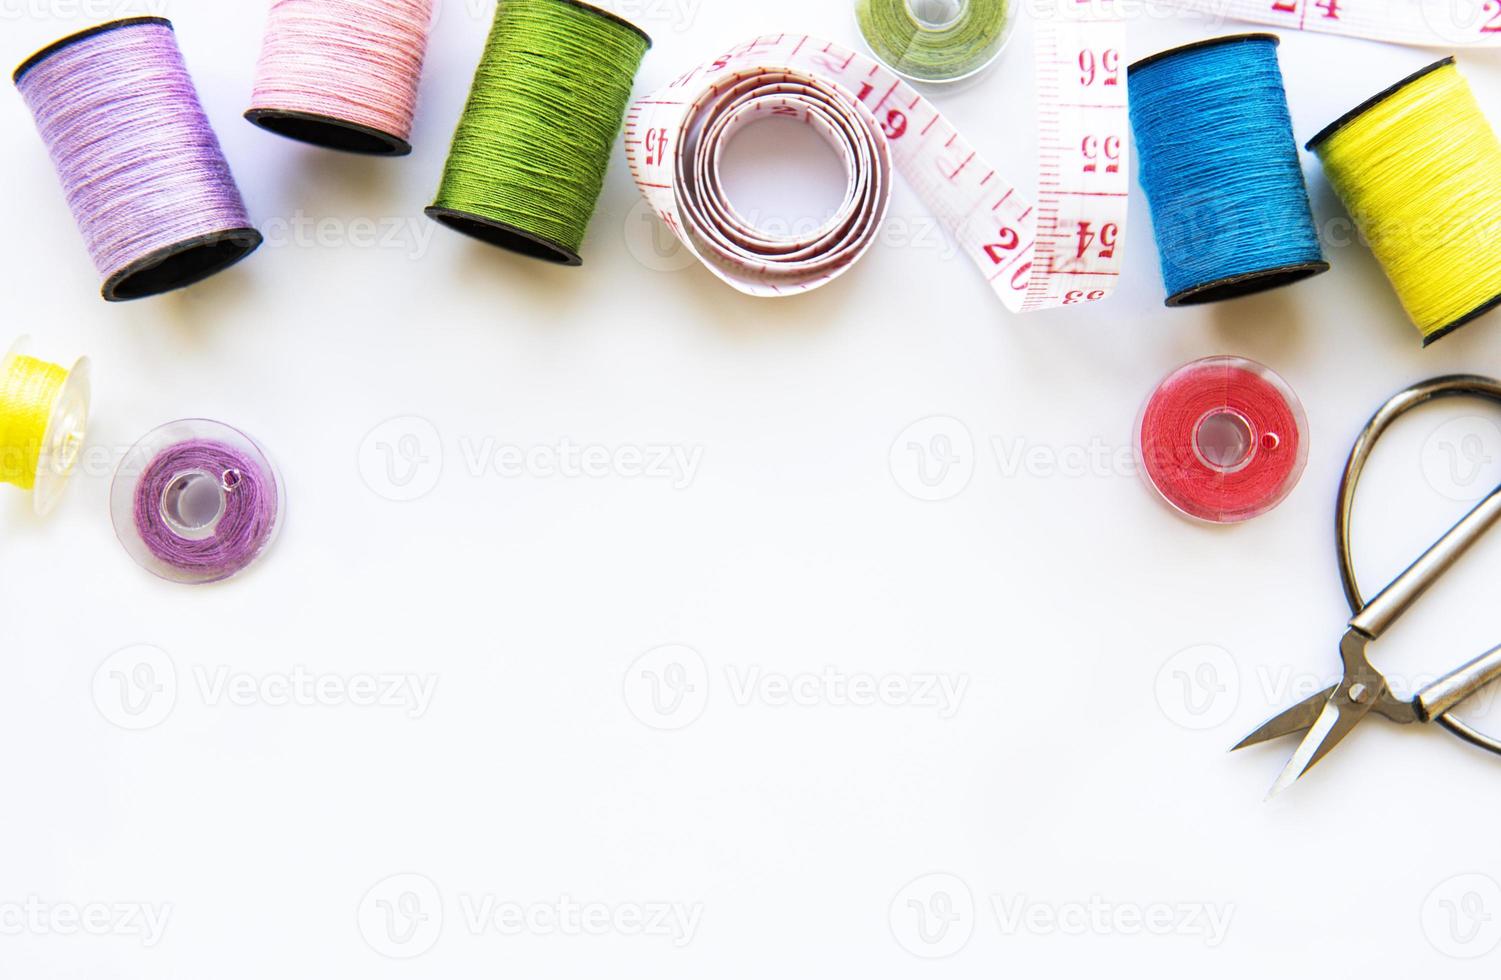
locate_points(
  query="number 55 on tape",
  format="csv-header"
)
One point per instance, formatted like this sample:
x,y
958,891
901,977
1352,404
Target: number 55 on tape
x,y
1062,249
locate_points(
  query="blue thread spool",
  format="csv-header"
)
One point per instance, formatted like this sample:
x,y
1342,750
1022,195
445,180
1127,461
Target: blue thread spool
x,y
1221,171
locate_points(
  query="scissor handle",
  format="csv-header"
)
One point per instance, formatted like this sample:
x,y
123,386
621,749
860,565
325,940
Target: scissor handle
x,y
1384,610
1446,693
1435,702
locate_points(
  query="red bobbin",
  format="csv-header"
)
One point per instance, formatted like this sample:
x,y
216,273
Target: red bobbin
x,y
1222,440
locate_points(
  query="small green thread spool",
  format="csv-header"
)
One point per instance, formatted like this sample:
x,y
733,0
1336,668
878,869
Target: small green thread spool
x,y
529,156
935,40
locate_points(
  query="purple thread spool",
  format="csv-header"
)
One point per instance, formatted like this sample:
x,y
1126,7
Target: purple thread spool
x,y
141,167
196,501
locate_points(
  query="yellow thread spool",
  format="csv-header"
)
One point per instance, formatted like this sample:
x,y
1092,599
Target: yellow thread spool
x,y
1419,169
44,412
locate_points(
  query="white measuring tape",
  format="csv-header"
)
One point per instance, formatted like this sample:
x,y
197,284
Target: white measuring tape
x,y
1422,23
1063,249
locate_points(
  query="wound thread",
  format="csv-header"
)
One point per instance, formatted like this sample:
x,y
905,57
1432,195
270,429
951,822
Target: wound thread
x,y
935,40
143,172
1419,169
529,156
1222,440
1221,171
342,74
196,501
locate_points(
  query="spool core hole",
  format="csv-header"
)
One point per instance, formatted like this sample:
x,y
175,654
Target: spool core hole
x,y
935,15
193,503
1224,439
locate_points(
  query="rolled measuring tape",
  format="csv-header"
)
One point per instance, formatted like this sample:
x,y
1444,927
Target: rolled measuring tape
x,y
529,156
342,74
1419,169
936,40
44,416
1220,168
196,501
141,167
1222,440
1064,249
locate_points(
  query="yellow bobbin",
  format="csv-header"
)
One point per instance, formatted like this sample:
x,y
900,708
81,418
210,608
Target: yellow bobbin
x,y
1419,169
44,413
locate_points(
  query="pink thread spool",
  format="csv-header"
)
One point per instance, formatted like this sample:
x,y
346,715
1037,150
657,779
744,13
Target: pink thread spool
x,y
342,74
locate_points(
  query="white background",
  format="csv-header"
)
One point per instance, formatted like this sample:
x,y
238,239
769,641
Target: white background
x,y
1109,652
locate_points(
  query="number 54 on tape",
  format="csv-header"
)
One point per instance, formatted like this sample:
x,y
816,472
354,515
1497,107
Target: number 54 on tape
x,y
1063,248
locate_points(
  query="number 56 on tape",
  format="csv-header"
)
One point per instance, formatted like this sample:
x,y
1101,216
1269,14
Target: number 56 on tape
x,y
1062,249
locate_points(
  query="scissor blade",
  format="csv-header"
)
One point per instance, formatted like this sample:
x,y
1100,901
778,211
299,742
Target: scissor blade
x,y
1299,718
1338,718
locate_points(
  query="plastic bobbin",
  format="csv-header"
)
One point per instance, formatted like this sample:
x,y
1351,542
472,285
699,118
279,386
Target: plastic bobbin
x,y
949,40
196,501
1222,440
67,425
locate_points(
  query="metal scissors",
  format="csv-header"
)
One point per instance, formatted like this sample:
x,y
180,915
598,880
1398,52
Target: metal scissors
x,y
1328,716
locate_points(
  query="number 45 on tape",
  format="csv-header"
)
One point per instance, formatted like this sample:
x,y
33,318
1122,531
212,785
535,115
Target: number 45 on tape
x,y
1061,249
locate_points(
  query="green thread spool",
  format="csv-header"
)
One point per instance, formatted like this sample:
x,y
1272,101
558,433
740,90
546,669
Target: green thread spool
x,y
935,40
531,149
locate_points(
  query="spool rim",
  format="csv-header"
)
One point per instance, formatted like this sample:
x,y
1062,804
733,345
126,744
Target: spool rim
x,y
82,35
1328,131
610,15
504,235
313,124
1474,314
244,239
1247,284
1205,43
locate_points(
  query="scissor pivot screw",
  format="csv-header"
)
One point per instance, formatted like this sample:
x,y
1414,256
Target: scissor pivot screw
x,y
1359,693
